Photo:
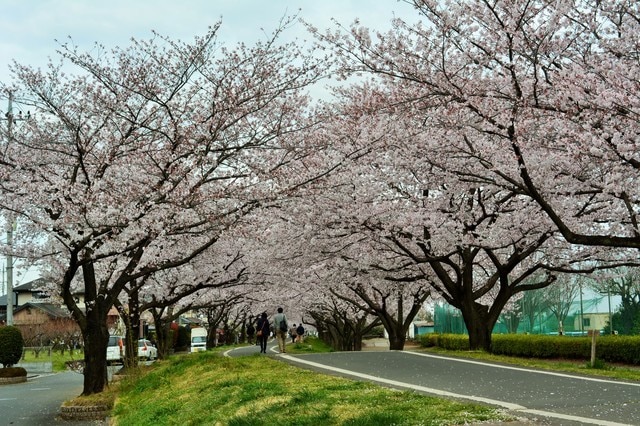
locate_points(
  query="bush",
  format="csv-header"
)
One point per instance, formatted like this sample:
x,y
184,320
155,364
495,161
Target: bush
x,y
11,345
12,372
429,340
622,349
454,342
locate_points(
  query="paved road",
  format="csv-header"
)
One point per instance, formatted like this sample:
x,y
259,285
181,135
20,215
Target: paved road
x,y
37,401
560,399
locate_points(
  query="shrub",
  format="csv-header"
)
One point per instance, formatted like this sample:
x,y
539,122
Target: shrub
x,y
622,349
454,342
9,372
428,340
11,345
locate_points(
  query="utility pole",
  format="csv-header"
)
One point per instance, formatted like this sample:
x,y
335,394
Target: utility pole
x,y
9,257
11,220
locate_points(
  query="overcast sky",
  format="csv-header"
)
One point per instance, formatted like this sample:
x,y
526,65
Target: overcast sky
x,y
30,28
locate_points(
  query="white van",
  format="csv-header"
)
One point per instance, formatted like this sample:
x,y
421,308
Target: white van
x,y
198,339
115,349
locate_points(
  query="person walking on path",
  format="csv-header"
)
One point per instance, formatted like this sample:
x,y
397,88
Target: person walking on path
x,y
292,333
262,332
299,333
281,328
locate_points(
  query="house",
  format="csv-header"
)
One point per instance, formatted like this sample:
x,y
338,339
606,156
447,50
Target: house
x,y
421,327
34,307
591,321
44,323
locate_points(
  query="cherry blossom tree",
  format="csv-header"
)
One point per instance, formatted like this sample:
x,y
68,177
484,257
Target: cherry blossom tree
x,y
340,324
487,140
560,297
177,286
539,96
140,162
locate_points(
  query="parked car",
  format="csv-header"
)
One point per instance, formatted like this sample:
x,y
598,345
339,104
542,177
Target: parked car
x,y
146,350
115,349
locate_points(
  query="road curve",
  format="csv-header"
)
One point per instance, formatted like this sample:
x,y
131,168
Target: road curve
x,y
560,398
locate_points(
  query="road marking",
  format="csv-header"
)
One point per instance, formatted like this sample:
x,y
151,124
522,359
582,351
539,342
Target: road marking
x,y
8,399
40,389
574,418
529,370
504,404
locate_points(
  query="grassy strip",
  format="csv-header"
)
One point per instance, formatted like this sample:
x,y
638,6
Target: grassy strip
x,y
310,345
57,360
205,388
624,372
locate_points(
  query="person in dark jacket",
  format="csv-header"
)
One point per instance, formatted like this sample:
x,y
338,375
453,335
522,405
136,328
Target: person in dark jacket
x,y
262,332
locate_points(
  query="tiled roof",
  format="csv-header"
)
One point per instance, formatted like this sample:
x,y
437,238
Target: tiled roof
x,y
48,308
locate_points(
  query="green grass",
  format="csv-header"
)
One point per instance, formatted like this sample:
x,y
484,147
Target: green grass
x,y
206,388
310,345
58,360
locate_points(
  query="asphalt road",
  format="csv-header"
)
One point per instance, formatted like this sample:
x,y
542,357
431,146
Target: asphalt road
x,y
37,401
557,399
549,398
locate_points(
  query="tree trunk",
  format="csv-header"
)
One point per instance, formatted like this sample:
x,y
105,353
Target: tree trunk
x,y
479,325
96,339
132,323
93,326
357,342
163,339
397,339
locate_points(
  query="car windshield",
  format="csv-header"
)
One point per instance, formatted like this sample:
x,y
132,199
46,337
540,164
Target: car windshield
x,y
199,339
113,340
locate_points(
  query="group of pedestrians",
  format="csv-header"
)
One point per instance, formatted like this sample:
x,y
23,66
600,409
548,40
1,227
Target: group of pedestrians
x,y
280,330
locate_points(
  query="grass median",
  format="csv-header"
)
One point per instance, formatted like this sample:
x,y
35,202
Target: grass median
x,y
207,388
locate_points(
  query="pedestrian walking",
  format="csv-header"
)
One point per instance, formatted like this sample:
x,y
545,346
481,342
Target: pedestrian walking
x,y
281,327
262,332
300,333
292,333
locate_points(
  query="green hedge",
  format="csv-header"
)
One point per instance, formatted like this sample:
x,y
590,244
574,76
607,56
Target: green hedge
x,y
11,344
623,349
454,342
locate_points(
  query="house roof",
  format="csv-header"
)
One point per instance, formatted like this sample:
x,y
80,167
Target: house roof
x,y
33,285
52,310
3,300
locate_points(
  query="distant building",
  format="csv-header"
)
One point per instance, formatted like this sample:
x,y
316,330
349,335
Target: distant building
x,y
421,327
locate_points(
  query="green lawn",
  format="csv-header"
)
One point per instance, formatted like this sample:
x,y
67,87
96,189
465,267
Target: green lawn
x,y
206,388
55,357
